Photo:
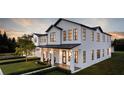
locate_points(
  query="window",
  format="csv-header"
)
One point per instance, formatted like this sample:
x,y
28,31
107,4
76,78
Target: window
x,y
103,37
52,37
64,56
98,37
76,56
64,35
92,54
92,36
35,40
107,39
98,54
43,39
75,34
70,35
69,55
108,51
84,56
103,52
84,34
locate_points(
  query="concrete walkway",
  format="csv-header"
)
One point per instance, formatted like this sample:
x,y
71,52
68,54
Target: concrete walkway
x,y
28,73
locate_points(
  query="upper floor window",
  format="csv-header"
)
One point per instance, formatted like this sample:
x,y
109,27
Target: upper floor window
x,y
107,39
92,36
70,35
98,54
43,39
35,40
52,37
103,37
64,35
98,37
84,35
75,34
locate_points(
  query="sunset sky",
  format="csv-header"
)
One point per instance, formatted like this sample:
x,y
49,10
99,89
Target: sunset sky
x,y
17,27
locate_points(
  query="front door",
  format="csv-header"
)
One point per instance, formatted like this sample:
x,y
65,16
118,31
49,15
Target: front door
x,y
64,56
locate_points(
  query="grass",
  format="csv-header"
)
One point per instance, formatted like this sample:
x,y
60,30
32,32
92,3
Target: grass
x,y
11,64
16,60
112,66
52,71
18,68
6,54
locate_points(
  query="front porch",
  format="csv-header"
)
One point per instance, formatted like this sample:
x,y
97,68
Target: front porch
x,y
66,67
63,58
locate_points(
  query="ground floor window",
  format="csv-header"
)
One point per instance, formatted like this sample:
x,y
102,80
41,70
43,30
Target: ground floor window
x,y
98,53
108,51
76,56
69,55
92,54
64,56
84,56
103,52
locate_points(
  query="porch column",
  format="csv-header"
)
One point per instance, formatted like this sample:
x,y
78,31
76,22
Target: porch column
x,y
72,61
52,58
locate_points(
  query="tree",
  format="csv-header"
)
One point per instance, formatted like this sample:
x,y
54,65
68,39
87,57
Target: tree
x,y
24,46
7,45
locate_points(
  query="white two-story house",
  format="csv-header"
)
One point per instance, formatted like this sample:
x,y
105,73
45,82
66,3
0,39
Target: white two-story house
x,y
72,45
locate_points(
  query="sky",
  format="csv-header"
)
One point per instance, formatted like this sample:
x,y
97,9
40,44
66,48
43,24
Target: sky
x,y
18,26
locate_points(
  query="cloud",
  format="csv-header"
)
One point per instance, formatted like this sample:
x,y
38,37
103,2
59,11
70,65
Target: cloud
x,y
13,33
117,35
22,21
92,22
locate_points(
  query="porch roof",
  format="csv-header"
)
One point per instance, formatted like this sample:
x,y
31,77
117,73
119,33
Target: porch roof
x,y
61,46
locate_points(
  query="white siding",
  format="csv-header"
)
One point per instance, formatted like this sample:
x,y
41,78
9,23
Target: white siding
x,y
58,36
88,45
66,26
35,40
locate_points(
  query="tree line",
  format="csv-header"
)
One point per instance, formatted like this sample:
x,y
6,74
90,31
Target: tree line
x,y
7,45
118,44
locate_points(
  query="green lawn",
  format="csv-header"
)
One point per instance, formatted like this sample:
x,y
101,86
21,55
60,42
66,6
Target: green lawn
x,y
17,60
17,65
21,67
6,54
112,66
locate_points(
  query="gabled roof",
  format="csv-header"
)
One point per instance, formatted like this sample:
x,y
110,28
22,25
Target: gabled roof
x,y
92,28
53,26
40,34
61,46
98,27
72,22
